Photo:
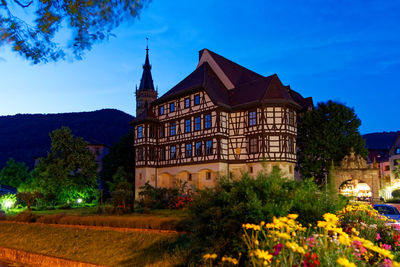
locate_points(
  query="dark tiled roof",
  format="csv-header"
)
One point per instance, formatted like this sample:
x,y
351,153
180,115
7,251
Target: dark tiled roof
x,y
147,114
380,141
202,77
237,74
249,87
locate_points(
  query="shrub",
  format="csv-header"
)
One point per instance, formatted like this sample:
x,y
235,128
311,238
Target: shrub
x,y
219,213
26,216
396,193
122,197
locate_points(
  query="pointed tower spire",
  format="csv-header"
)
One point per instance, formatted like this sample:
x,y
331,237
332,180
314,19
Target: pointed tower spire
x,y
145,94
146,83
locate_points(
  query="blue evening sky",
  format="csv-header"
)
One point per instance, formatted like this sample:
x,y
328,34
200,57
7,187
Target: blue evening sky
x,y
347,51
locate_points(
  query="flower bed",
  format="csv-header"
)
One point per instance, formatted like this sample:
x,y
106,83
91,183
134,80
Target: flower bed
x,y
355,236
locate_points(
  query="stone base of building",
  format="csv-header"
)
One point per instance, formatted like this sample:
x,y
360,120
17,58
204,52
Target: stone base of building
x,y
200,176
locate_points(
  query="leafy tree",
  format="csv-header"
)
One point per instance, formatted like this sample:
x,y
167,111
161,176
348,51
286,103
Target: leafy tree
x,y
89,22
327,134
14,173
120,176
121,155
69,167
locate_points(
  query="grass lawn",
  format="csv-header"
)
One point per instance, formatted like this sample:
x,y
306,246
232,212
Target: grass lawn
x,y
77,211
94,246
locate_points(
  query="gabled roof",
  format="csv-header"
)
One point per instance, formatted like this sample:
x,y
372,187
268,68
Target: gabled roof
x,y
230,85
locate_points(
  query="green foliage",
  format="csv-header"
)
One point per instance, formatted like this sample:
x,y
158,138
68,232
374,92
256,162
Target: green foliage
x,y
396,193
219,213
89,22
122,197
14,173
327,134
121,155
7,201
29,197
162,198
69,170
120,176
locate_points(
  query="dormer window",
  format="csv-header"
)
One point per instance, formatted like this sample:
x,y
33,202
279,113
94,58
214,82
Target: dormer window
x,y
140,131
171,107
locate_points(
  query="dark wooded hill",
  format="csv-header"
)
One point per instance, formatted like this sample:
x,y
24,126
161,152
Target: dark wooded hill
x,y
26,136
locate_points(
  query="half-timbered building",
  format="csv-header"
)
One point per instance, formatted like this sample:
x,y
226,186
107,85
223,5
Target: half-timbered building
x,y
222,118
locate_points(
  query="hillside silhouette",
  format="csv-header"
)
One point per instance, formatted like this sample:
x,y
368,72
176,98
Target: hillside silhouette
x,y
26,136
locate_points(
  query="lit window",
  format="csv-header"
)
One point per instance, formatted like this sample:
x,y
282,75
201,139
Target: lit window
x,y
197,100
172,129
199,151
188,150
253,145
397,150
197,123
140,131
187,102
161,110
209,147
252,118
187,126
173,152
171,107
207,121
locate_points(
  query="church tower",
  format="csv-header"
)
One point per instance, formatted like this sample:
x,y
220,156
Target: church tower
x,y
146,92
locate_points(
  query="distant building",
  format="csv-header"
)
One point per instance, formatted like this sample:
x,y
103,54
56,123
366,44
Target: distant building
x,y
99,151
221,118
383,151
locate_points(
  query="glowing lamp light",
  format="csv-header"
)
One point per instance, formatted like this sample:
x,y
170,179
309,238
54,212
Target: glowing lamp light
x,y
7,204
79,200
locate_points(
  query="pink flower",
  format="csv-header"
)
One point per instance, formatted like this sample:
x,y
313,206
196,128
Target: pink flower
x,y
277,248
387,263
386,246
311,241
378,236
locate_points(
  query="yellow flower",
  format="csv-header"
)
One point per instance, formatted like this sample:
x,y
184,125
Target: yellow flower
x,y
262,254
345,262
209,256
293,216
